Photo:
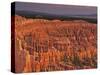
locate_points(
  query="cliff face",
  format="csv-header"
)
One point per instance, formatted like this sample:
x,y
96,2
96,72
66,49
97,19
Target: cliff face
x,y
49,45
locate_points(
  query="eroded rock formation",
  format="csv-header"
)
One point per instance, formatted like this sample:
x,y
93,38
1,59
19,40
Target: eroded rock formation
x,y
49,45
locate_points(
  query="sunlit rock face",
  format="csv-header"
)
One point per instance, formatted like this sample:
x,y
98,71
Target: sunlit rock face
x,y
51,45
